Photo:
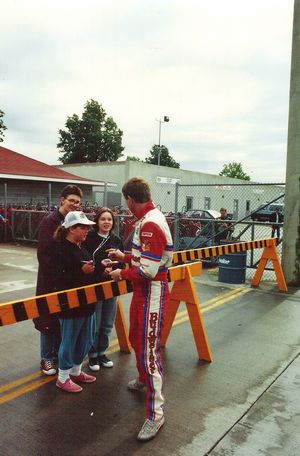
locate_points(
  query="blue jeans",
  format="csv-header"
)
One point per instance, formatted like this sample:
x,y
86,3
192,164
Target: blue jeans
x,y
105,318
49,345
77,335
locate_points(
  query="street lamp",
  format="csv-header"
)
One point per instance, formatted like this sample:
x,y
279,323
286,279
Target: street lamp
x,y
165,119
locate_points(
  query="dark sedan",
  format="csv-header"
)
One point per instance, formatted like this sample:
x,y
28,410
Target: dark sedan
x,y
263,214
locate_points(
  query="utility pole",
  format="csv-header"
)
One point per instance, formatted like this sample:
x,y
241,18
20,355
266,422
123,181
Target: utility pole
x,y
291,229
165,119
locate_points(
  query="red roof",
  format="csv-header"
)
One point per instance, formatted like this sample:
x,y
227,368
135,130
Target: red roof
x,y
17,164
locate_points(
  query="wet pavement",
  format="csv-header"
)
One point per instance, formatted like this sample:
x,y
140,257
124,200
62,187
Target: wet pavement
x,y
244,403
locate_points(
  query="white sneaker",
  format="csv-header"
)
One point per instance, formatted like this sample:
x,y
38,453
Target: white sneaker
x,y
136,385
94,364
105,361
150,429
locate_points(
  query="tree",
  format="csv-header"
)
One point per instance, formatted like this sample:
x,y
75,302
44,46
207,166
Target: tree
x,y
93,138
2,126
165,157
234,170
132,158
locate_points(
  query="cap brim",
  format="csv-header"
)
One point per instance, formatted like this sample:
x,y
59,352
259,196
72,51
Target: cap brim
x,y
81,222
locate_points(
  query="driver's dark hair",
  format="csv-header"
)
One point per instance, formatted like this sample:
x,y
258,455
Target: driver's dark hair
x,y
138,189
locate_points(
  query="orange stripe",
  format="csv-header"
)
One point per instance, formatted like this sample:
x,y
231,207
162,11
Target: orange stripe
x,y
107,290
7,315
91,295
72,299
53,303
214,250
123,287
31,309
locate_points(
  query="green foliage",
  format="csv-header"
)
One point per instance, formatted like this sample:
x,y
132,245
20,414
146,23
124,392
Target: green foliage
x,y
132,158
2,126
165,157
234,170
93,138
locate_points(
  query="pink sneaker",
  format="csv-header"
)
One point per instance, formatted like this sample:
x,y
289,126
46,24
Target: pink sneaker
x,y
68,386
83,378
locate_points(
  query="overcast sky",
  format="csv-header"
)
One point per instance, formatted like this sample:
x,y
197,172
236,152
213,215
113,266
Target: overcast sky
x,y
219,69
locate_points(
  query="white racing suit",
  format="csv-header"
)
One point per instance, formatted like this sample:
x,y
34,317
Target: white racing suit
x,y
151,256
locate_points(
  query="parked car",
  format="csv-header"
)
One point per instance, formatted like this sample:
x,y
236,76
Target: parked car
x,y
197,227
263,214
202,213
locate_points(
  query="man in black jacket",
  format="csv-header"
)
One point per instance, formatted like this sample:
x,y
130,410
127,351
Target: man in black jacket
x,y
48,325
276,217
223,228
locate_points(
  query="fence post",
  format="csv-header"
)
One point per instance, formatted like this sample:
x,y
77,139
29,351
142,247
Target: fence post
x,y
176,218
49,196
105,195
29,225
252,239
13,224
5,211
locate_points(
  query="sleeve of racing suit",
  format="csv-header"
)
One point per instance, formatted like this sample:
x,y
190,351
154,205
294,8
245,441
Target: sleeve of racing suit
x,y
127,258
153,244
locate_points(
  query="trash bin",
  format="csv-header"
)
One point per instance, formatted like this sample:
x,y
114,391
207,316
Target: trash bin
x,y
232,266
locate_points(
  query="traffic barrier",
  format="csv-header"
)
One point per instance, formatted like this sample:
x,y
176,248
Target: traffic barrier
x,y
183,289
269,254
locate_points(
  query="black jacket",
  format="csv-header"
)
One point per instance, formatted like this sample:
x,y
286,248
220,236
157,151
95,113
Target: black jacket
x,y
97,246
66,269
47,324
46,243
273,217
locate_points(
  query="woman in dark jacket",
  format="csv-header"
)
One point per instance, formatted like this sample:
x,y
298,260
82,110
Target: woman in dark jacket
x,y
97,243
72,267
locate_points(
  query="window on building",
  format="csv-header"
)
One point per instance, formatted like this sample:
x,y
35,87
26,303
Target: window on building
x,y
247,206
235,209
206,202
189,203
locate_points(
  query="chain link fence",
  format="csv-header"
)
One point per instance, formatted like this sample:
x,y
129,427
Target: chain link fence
x,y
24,224
196,220
192,213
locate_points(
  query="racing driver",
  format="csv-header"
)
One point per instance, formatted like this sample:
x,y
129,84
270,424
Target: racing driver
x,y
149,260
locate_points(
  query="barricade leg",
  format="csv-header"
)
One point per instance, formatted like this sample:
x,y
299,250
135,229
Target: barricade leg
x,y
169,319
270,253
185,290
121,329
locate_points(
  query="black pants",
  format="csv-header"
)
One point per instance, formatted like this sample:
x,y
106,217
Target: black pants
x,y
277,229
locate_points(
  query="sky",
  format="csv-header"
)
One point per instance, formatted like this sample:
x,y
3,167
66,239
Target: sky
x,y
220,70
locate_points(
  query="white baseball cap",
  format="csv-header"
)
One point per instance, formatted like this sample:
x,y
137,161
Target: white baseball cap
x,y
76,217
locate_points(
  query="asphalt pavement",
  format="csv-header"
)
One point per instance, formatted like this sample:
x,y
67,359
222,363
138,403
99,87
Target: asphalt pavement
x,y
244,403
